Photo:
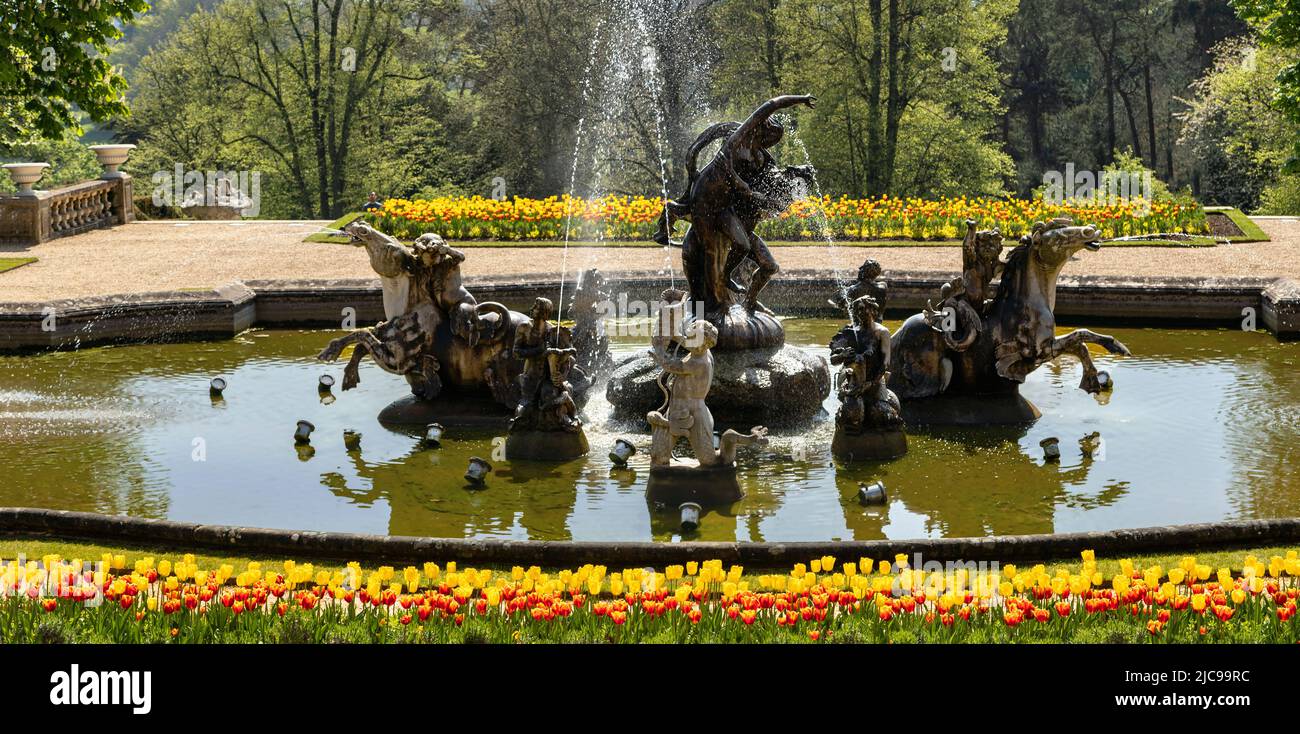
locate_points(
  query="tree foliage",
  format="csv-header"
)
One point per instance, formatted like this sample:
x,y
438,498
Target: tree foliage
x,y
53,64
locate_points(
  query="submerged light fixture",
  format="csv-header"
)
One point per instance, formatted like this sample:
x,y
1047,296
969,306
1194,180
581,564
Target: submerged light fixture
x,y
690,516
871,494
622,451
477,472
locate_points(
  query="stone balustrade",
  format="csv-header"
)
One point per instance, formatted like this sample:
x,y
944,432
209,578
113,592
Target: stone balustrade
x,y
69,210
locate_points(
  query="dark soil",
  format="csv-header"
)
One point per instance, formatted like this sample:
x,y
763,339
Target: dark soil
x,y
1222,226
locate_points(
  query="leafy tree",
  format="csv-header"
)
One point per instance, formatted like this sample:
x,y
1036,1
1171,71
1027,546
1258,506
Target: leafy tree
x,y
325,97
897,80
53,64
1278,24
1239,139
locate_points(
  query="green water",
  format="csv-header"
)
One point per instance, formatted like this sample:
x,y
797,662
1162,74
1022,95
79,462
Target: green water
x,y
1202,426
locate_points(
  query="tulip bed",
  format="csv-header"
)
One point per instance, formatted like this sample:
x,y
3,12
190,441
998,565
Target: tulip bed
x,y
624,218
825,600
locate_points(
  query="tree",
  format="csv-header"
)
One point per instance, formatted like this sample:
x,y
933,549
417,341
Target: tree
x,y
309,90
54,64
1239,139
896,80
1278,24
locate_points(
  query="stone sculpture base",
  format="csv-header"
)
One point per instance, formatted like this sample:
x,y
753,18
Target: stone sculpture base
x,y
780,387
738,330
1009,409
687,481
546,445
451,410
868,445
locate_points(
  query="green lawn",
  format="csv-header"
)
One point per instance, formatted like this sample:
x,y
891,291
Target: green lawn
x,y
1250,232
10,263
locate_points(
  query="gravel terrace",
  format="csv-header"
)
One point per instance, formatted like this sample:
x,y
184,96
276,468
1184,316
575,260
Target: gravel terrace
x,y
158,256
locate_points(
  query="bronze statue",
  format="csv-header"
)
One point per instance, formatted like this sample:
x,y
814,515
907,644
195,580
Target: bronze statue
x,y
422,286
547,354
545,425
435,333
988,347
724,202
869,283
868,424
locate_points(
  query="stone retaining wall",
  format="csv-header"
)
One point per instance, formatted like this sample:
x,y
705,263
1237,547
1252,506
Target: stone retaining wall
x,y
32,522
226,311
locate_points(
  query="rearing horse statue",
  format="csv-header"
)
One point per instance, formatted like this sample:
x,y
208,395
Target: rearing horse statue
x,y
1016,332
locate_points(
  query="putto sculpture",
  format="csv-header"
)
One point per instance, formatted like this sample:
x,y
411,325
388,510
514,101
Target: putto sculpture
x,y
545,424
869,423
869,283
710,478
975,351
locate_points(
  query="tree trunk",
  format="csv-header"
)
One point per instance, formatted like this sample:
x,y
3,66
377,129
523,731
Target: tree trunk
x,y
875,149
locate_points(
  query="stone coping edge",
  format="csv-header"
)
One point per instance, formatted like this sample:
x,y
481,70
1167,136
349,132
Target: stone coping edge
x,y
87,526
232,308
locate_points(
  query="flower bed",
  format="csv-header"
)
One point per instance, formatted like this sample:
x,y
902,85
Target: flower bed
x,y
826,600
623,218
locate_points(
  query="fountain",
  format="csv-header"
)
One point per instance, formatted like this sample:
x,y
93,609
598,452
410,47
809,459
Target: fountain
x,y
757,377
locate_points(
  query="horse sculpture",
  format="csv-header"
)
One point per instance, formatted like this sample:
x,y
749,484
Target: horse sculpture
x,y
435,332
975,346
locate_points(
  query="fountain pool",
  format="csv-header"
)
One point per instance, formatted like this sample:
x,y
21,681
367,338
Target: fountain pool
x,y
1201,427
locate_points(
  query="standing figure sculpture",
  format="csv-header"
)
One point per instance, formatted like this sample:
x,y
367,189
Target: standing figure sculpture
x,y
869,283
757,377
545,424
686,415
741,186
869,423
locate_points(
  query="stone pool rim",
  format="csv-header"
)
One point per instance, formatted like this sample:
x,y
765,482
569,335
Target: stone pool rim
x,y
228,310
32,522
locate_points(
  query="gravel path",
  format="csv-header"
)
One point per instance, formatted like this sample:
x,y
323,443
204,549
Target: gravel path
x,y
157,256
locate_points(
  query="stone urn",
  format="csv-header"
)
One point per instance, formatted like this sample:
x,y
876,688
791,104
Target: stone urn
x,y
26,174
112,156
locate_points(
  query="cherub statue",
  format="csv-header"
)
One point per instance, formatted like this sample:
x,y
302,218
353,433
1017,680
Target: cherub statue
x,y
862,351
545,392
964,301
869,283
687,414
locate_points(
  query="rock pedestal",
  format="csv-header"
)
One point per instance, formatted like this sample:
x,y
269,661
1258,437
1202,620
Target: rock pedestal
x,y
546,445
687,481
869,445
450,409
771,387
946,409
